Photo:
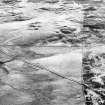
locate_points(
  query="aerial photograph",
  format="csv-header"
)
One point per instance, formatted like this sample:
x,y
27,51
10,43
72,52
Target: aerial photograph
x,y
52,52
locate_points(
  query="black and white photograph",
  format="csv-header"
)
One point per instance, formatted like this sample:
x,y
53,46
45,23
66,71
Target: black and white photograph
x,y
52,52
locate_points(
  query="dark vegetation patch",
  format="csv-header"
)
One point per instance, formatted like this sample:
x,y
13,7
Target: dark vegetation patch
x,y
93,76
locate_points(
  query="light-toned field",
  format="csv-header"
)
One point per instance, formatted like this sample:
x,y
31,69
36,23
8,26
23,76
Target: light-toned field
x,y
42,87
